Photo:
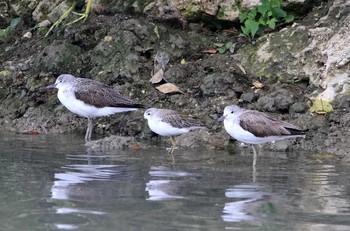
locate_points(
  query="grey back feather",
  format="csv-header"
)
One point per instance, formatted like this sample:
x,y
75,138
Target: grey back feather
x,y
101,95
179,120
262,125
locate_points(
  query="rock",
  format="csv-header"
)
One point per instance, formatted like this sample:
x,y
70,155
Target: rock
x,y
311,52
59,57
44,8
298,107
248,97
218,84
279,100
114,143
203,139
27,35
45,23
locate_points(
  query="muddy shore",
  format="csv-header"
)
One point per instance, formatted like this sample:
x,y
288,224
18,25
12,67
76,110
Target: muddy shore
x,y
120,51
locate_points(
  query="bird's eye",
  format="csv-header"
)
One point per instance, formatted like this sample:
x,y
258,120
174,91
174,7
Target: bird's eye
x,y
148,113
231,112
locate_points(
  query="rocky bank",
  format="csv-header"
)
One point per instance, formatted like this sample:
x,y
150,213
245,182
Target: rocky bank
x,y
296,64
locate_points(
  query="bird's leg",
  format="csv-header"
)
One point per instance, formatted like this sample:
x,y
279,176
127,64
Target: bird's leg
x,y
83,16
255,155
254,173
58,22
65,15
173,146
89,130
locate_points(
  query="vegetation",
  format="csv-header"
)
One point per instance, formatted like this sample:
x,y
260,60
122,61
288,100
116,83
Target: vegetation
x,y
266,15
223,47
4,33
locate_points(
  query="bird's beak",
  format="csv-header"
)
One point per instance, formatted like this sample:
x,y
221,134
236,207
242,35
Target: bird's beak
x,y
48,87
222,118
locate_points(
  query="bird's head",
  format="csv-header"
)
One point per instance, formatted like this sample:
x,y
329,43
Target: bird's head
x,y
230,111
150,113
62,81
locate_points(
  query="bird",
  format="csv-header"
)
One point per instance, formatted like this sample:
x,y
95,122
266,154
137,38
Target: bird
x,y
90,98
255,127
170,123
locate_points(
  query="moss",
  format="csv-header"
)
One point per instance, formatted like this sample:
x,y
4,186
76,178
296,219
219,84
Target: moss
x,y
198,40
5,74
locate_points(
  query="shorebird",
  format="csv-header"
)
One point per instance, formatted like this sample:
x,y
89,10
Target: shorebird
x,y
90,98
254,127
166,122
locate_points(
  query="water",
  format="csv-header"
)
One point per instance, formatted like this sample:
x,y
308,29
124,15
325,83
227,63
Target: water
x,y
56,183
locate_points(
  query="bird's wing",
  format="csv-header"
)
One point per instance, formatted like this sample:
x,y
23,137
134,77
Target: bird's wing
x,y
262,125
178,120
101,95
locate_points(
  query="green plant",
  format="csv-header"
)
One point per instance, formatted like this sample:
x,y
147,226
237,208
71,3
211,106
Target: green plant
x,y
6,32
223,47
267,14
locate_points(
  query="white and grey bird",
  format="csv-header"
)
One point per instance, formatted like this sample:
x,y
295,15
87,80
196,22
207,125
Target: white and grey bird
x,y
166,122
255,127
90,98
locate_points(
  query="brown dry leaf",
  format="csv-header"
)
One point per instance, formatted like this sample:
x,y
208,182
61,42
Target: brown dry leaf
x,y
157,77
257,85
169,88
156,31
135,147
31,132
241,68
211,51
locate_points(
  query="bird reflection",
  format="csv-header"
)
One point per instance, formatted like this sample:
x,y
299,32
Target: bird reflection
x,y
74,175
243,195
164,183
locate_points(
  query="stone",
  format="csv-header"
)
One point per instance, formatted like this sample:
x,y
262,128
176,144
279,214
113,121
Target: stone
x,y
28,35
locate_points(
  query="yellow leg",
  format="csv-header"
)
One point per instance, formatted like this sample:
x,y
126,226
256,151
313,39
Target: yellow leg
x,y
65,15
172,148
83,16
58,22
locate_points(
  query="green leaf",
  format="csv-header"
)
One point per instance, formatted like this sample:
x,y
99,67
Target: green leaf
x,y
219,44
248,23
289,18
251,14
3,33
245,31
229,45
222,50
265,2
278,13
262,9
275,3
254,26
262,21
272,23
14,23
243,16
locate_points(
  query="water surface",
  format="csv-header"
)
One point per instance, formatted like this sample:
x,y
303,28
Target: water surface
x,y
54,182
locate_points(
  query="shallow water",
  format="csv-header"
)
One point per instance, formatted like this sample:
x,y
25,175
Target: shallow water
x,y
56,183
